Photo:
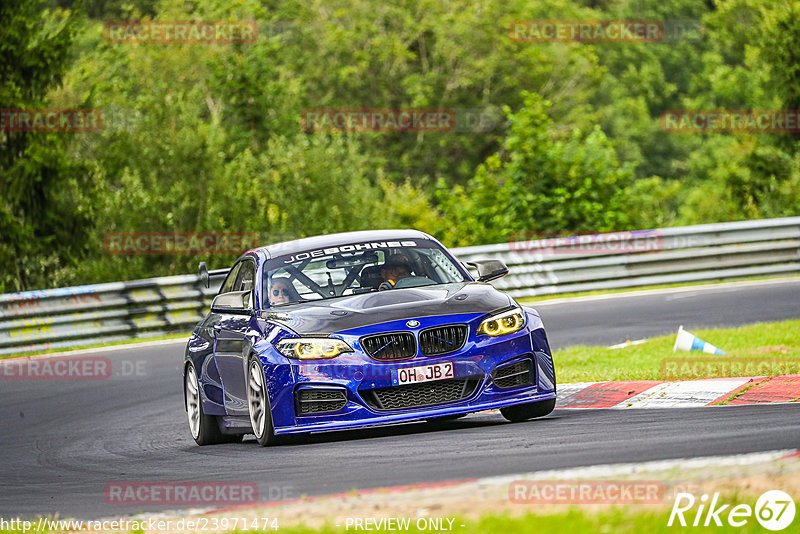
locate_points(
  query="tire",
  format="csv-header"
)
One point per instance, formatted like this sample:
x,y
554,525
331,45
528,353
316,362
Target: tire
x,y
258,404
204,428
523,412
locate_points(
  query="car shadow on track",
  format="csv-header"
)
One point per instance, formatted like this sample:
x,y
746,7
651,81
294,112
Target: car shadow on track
x,y
404,429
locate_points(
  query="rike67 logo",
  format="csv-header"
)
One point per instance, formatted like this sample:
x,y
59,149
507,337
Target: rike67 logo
x,y
774,510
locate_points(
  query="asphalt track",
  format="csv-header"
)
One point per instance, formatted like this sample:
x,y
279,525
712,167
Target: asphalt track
x,y
63,441
610,319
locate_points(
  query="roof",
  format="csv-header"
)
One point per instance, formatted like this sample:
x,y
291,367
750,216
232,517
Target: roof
x,y
332,240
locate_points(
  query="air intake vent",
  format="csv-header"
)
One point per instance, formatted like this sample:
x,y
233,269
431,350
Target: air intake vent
x,y
418,395
513,374
442,339
390,347
314,401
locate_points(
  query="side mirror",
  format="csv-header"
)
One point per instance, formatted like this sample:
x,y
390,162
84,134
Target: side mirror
x,y
489,269
206,275
234,302
204,279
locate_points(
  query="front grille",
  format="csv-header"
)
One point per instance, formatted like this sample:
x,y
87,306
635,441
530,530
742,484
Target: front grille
x,y
442,339
513,374
417,395
313,401
390,347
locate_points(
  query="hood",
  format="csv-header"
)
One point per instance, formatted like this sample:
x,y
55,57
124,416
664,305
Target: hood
x,y
324,317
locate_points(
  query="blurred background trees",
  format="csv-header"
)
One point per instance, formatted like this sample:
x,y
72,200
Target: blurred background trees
x,y
208,137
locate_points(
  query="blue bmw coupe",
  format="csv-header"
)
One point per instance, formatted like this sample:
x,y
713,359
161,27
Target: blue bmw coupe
x,y
358,329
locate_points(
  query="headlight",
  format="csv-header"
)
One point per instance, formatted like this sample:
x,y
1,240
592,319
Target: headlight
x,y
312,348
503,323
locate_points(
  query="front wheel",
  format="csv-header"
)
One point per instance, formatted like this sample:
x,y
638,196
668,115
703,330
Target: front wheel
x,y
204,428
258,402
522,412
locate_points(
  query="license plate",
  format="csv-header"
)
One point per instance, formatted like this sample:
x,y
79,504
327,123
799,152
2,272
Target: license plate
x,y
423,373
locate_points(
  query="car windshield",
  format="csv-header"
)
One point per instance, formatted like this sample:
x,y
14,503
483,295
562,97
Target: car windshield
x,y
356,268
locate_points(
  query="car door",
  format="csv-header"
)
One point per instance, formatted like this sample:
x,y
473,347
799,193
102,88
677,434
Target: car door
x,y
230,333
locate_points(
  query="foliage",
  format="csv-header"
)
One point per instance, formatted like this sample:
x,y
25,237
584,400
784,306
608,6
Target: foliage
x,y
45,192
207,137
541,182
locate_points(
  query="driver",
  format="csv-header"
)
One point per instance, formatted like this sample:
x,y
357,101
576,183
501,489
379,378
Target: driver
x,y
395,268
281,292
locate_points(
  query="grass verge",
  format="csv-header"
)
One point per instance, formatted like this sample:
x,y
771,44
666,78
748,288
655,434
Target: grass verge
x,y
764,349
618,520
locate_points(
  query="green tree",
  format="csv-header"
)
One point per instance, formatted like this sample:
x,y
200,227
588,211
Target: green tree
x,y
750,63
44,213
539,181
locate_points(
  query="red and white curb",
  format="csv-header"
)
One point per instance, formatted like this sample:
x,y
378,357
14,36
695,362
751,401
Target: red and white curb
x,y
683,394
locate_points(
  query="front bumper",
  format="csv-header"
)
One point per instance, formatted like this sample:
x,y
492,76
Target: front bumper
x,y
356,375
371,419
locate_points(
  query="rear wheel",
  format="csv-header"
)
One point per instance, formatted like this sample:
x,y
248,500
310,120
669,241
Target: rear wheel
x,y
204,428
258,403
522,412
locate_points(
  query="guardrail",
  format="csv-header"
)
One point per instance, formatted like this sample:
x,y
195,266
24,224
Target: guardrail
x,y
65,317
101,313
663,256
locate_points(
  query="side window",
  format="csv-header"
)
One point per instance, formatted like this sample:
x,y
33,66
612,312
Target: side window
x,y
244,279
227,285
